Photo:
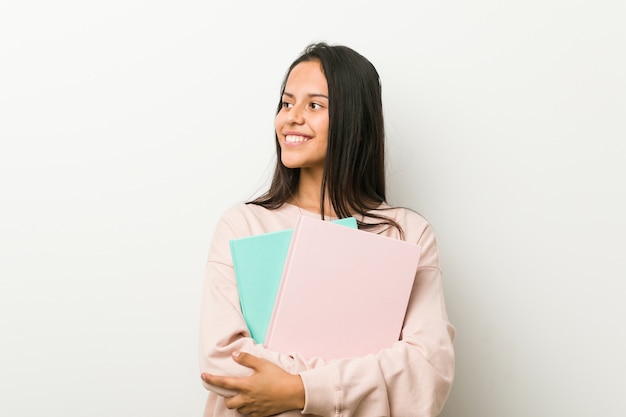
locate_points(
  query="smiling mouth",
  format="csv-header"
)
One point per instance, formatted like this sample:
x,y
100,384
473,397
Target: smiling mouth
x,y
296,139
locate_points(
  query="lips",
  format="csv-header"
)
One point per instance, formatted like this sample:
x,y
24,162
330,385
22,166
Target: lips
x,y
296,139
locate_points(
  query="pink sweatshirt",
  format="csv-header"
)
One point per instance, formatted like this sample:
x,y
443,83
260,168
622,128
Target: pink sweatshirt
x,y
411,378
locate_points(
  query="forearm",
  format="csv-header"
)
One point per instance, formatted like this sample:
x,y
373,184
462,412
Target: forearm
x,y
397,381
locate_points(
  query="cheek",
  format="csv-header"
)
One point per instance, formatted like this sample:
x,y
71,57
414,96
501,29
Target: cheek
x,y
278,122
322,126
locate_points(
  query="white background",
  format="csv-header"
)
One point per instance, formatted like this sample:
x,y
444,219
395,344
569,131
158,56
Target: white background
x,y
127,127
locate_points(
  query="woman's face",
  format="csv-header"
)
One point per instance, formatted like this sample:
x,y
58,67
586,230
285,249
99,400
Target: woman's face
x,y
302,122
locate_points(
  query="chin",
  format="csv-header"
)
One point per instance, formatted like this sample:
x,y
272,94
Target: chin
x,y
291,164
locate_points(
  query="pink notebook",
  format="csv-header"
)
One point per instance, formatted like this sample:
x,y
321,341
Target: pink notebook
x,y
343,293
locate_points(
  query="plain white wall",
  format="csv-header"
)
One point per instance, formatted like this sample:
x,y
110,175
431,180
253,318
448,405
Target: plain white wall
x,y
127,127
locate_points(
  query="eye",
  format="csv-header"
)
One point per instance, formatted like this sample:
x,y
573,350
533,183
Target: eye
x,y
286,105
316,106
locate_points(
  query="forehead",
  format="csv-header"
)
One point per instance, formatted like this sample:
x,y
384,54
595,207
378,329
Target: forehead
x,y
307,76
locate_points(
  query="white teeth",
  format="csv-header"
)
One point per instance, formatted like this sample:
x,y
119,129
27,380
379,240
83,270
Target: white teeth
x,y
295,139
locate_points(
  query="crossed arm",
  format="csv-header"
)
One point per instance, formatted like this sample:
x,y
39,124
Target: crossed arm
x,y
411,378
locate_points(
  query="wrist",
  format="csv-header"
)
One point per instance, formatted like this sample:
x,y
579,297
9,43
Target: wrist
x,y
297,396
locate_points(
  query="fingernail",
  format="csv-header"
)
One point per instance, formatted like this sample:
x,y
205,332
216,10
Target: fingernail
x,y
236,354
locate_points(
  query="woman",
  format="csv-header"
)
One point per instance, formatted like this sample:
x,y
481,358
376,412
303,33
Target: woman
x,y
330,149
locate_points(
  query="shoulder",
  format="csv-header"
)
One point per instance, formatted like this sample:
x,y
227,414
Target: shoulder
x,y
407,216
413,224
418,230
239,212
244,219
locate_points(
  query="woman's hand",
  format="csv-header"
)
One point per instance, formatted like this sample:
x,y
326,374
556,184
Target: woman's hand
x,y
269,390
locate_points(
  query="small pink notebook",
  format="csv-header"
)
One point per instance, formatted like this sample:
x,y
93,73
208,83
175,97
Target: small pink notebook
x,y
343,292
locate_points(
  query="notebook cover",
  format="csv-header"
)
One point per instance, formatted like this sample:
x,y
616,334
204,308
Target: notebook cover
x,y
344,292
258,261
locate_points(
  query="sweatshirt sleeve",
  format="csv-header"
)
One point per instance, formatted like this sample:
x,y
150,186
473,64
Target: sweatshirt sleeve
x,y
223,329
410,379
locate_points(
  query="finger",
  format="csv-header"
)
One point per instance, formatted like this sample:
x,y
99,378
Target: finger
x,y
235,401
247,359
222,381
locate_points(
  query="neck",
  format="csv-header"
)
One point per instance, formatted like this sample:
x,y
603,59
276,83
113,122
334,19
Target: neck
x,y
308,196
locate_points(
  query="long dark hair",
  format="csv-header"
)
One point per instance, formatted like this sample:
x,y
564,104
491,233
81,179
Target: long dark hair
x,y
354,170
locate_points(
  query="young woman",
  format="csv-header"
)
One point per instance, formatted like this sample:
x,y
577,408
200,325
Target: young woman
x,y
330,164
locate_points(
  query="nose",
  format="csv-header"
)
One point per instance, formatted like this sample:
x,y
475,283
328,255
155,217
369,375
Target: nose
x,y
296,114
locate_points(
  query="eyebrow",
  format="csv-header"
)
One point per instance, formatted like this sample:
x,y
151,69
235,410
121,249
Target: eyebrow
x,y
312,95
